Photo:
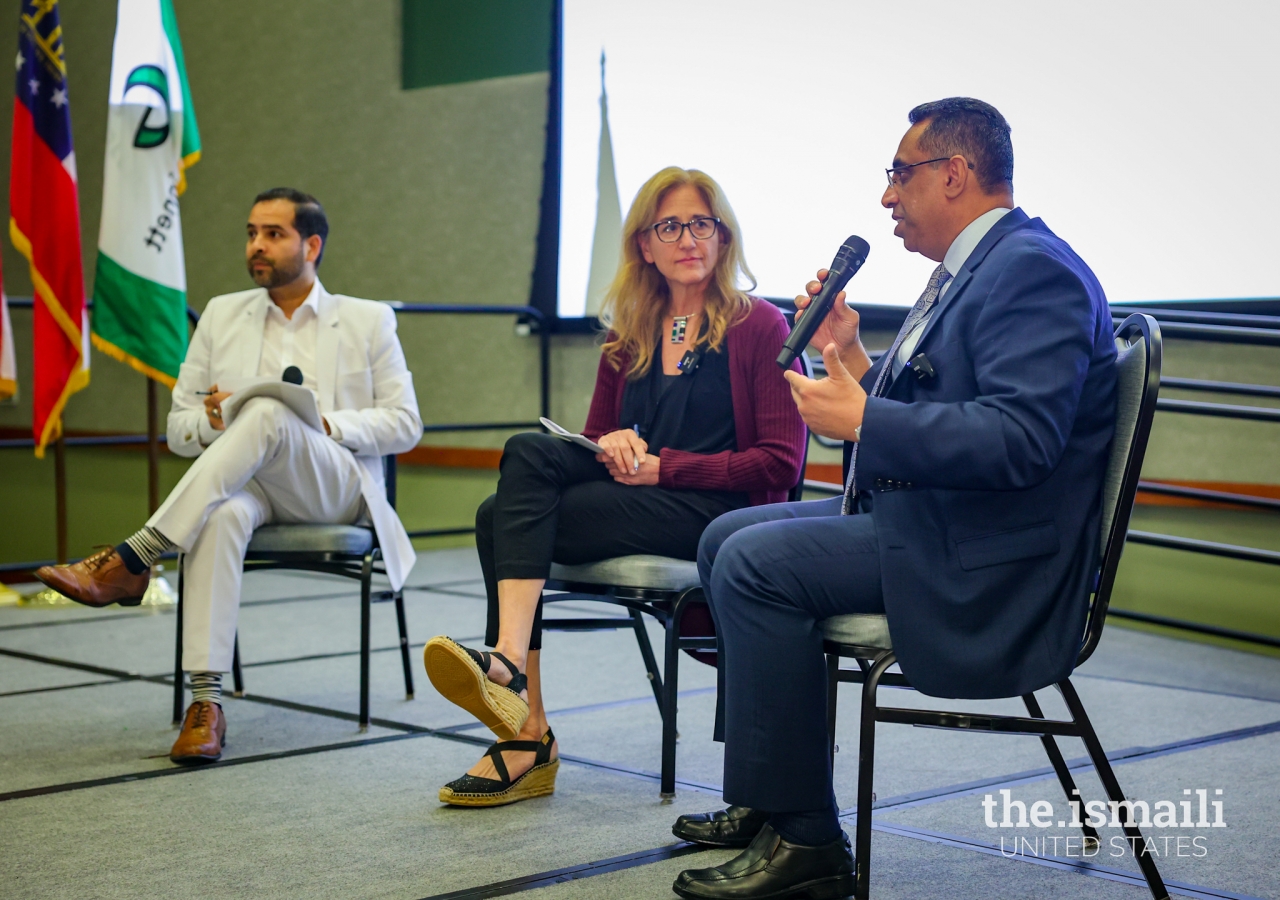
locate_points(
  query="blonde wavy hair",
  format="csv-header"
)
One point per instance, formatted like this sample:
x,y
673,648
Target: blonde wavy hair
x,y
636,301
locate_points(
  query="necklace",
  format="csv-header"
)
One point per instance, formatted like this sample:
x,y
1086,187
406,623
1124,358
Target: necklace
x,y
678,326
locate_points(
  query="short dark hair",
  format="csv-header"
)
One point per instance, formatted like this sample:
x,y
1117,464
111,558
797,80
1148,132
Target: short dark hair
x,y
308,214
963,126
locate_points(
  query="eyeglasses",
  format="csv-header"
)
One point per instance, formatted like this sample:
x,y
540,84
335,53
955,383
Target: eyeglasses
x,y
895,174
701,227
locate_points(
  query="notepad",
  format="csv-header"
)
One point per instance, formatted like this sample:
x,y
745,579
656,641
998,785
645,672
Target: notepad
x,y
570,436
299,399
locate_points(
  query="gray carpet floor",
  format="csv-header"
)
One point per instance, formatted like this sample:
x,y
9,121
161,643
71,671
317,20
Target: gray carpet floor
x,y
305,805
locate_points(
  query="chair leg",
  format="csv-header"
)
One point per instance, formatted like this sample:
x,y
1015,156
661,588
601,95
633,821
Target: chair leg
x,y
1108,777
670,685
237,676
866,771
366,598
646,652
178,695
1054,753
833,685
404,646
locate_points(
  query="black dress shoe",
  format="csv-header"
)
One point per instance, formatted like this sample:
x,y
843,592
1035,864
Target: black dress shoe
x,y
736,826
774,868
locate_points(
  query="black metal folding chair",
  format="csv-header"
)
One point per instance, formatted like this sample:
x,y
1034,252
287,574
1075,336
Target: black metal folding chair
x,y
656,586
348,550
865,638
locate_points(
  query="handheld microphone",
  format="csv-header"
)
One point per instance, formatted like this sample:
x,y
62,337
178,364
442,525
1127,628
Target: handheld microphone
x,y
849,259
293,375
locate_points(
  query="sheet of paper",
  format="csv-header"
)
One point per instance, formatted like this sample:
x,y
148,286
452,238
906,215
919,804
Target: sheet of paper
x,y
570,436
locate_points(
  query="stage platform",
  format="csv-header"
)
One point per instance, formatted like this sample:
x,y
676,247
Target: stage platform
x,y
303,805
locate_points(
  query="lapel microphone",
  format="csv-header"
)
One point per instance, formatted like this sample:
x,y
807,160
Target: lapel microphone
x,y
293,375
689,362
922,368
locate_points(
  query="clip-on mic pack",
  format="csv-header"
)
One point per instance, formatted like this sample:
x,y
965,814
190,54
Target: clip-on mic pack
x,y
921,368
689,362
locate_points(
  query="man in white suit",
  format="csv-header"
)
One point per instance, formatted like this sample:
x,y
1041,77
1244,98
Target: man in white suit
x,y
268,465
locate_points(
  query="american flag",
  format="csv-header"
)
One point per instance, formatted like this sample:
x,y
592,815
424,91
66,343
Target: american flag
x,y
45,216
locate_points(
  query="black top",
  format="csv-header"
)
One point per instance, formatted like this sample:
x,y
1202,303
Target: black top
x,y
690,411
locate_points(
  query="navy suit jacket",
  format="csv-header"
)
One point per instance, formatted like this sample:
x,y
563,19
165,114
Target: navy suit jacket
x,y
987,478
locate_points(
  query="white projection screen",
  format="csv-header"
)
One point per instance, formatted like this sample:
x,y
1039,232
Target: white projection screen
x,y
1144,134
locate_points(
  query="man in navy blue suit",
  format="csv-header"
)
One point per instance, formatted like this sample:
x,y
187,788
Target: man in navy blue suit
x,y
974,458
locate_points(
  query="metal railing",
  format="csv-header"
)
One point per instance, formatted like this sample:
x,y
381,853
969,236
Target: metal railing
x,y
1228,328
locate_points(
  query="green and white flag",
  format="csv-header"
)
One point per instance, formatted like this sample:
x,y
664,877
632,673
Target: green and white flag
x,y
140,286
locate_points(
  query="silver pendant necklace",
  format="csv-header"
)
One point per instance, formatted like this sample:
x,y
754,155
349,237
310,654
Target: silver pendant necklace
x,y
678,326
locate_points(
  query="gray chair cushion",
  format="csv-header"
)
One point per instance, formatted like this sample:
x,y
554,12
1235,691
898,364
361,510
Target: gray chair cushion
x,y
861,630
656,573
311,539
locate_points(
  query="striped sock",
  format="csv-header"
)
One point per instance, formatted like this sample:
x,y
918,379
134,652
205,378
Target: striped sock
x,y
206,686
141,551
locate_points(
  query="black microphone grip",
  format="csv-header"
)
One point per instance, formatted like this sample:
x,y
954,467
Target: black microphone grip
x,y
849,259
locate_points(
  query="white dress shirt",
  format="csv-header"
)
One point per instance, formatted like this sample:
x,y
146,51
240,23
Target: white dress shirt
x,y
292,341
957,255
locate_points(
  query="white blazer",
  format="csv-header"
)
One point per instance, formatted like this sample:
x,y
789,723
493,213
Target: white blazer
x,y
363,386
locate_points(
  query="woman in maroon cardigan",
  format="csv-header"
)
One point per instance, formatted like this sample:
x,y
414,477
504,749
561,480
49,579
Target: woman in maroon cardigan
x,y
695,420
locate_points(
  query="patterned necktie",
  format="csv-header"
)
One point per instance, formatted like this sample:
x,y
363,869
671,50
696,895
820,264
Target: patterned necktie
x,y
939,277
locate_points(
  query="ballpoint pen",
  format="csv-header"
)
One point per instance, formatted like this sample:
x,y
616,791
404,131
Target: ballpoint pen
x,y
635,457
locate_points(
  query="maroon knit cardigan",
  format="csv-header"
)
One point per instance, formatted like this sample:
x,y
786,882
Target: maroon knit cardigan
x,y
770,433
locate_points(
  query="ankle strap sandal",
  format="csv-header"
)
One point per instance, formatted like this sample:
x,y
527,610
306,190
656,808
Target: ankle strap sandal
x,y
538,781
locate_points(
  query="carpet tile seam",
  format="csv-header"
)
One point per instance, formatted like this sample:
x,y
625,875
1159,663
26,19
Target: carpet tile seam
x,y
59,687
571,873
149,774
1174,687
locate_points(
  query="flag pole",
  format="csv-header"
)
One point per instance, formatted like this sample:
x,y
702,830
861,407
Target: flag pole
x,y
60,495
153,449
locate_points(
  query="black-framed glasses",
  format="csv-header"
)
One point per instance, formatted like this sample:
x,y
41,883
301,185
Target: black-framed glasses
x,y
895,174
701,227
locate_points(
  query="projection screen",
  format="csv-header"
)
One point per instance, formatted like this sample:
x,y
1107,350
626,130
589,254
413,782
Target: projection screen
x,y
1144,134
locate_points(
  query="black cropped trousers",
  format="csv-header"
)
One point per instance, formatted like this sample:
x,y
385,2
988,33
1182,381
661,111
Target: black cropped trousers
x,y
555,503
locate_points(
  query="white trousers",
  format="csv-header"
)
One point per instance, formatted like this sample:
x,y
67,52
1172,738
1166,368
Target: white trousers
x,y
268,466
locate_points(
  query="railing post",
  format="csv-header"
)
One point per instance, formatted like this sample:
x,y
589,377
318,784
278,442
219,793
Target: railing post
x,y
153,449
60,496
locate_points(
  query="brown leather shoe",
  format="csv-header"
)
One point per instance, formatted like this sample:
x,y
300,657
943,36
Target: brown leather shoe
x,y
97,580
204,731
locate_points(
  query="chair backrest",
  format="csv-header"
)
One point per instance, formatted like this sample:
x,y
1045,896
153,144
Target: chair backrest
x,y
389,477
1138,361
797,492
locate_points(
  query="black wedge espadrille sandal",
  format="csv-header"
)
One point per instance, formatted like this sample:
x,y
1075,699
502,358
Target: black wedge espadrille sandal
x,y
460,675
539,781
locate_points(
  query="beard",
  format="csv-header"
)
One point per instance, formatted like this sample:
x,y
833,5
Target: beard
x,y
279,272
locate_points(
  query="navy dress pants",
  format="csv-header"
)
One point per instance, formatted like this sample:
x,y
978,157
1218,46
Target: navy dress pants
x,y
771,573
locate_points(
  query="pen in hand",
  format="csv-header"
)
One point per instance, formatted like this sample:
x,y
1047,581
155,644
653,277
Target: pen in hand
x,y
635,457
